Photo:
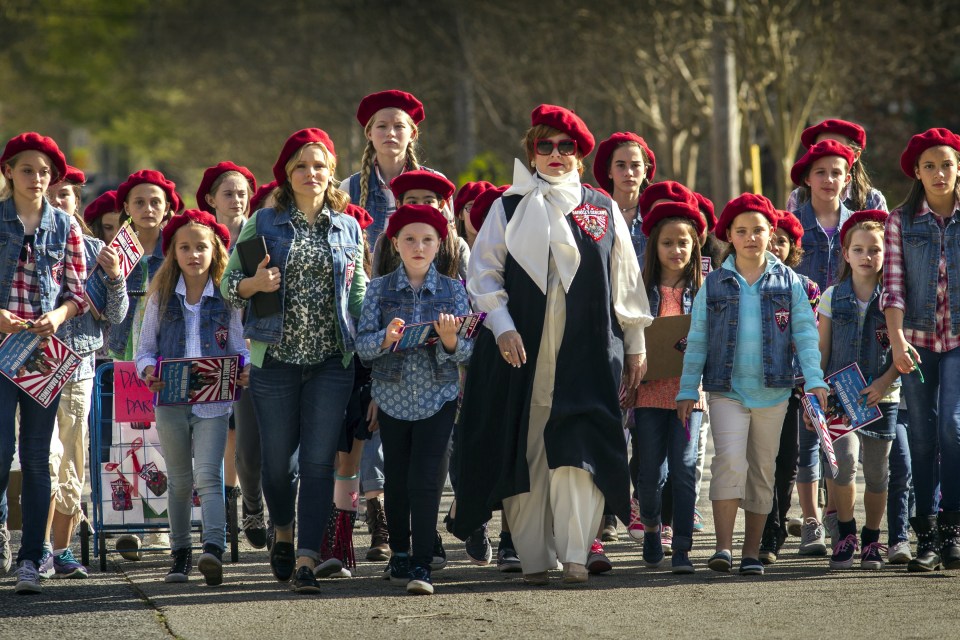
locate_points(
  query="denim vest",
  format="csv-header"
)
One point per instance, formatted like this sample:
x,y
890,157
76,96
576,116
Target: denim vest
x,y
50,249
723,309
345,241
653,295
214,317
135,293
869,347
638,240
413,307
83,333
377,204
922,240
821,255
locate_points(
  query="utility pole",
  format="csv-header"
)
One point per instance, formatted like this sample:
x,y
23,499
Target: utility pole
x,y
725,156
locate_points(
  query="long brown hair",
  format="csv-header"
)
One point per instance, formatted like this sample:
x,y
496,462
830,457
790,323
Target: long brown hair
x,y
692,273
447,260
165,281
918,193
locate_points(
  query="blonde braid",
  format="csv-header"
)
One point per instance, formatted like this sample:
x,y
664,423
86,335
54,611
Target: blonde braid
x,y
366,164
412,159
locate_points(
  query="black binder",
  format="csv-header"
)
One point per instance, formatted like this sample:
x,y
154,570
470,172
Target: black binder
x,y
251,252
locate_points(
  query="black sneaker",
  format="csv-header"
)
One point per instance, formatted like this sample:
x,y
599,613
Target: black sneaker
x,y
182,564
282,560
253,526
271,534
420,583
439,555
210,564
507,560
478,547
305,581
398,570
843,552
768,545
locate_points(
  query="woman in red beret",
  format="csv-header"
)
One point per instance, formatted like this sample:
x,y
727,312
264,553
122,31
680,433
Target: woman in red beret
x,y
302,355
549,245
859,193
624,166
44,270
921,303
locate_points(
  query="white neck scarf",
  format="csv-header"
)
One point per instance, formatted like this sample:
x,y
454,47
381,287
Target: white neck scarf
x,y
538,227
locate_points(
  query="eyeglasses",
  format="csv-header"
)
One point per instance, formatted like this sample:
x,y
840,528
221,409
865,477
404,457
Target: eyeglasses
x,y
545,147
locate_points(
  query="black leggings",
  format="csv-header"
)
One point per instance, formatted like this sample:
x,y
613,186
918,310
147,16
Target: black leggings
x,y
786,475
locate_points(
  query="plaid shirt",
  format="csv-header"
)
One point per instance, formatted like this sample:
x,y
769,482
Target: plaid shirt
x,y
25,293
894,281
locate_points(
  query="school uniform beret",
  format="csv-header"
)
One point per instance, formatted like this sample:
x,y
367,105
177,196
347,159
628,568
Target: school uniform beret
x,y
261,195
421,179
840,127
666,190
923,141
74,176
666,210
482,204
744,203
867,215
149,176
210,176
822,149
566,121
705,205
411,213
32,141
391,99
105,203
358,213
601,164
790,225
293,143
199,217
468,193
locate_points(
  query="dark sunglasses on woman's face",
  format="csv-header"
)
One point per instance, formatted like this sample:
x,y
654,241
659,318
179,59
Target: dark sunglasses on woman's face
x,y
545,147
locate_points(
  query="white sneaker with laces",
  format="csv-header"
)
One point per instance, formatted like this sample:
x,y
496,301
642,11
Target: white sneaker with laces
x,y
28,578
899,553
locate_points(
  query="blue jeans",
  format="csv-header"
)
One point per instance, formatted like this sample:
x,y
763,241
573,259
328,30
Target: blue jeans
x,y
193,450
36,431
371,464
808,460
300,410
899,489
934,408
662,438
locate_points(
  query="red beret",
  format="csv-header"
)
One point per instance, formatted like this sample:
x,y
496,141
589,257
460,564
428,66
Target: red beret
x,y
74,176
923,141
482,204
566,121
359,214
261,195
745,203
293,144
149,176
411,213
105,203
200,217
666,190
421,179
840,127
468,193
392,99
823,149
601,164
706,208
666,210
210,176
868,215
790,225
32,141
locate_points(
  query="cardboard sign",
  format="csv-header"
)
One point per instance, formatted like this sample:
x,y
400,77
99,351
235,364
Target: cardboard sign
x,y
132,399
666,340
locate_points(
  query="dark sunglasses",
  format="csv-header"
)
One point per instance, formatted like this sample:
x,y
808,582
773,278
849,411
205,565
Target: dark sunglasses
x,y
545,147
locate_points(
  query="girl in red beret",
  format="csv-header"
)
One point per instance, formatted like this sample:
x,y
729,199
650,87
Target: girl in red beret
x,y
463,204
624,166
415,389
859,193
922,306
102,216
854,330
84,334
43,269
748,320
185,316
549,245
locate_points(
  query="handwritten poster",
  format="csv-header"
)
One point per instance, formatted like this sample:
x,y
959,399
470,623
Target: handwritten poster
x,y
132,399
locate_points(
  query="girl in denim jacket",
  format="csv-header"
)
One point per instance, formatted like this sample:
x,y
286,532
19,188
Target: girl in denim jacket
x,y
416,390
746,317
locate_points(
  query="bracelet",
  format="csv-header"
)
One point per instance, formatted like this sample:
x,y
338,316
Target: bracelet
x,y
114,281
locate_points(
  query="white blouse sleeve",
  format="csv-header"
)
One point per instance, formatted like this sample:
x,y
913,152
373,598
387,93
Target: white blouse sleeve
x,y
630,302
485,272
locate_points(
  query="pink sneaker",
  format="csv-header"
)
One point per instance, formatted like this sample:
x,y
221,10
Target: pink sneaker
x,y
635,528
666,539
597,561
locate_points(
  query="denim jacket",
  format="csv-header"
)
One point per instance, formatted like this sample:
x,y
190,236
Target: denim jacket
x,y
84,334
822,255
922,239
120,333
346,243
51,241
214,316
653,295
869,347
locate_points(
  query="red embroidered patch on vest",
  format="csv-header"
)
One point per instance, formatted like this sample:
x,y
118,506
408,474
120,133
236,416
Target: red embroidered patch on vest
x,y
220,335
56,271
782,318
883,337
591,220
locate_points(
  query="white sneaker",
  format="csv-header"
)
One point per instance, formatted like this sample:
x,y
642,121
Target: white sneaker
x,y
832,528
812,542
6,559
28,579
158,542
899,553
